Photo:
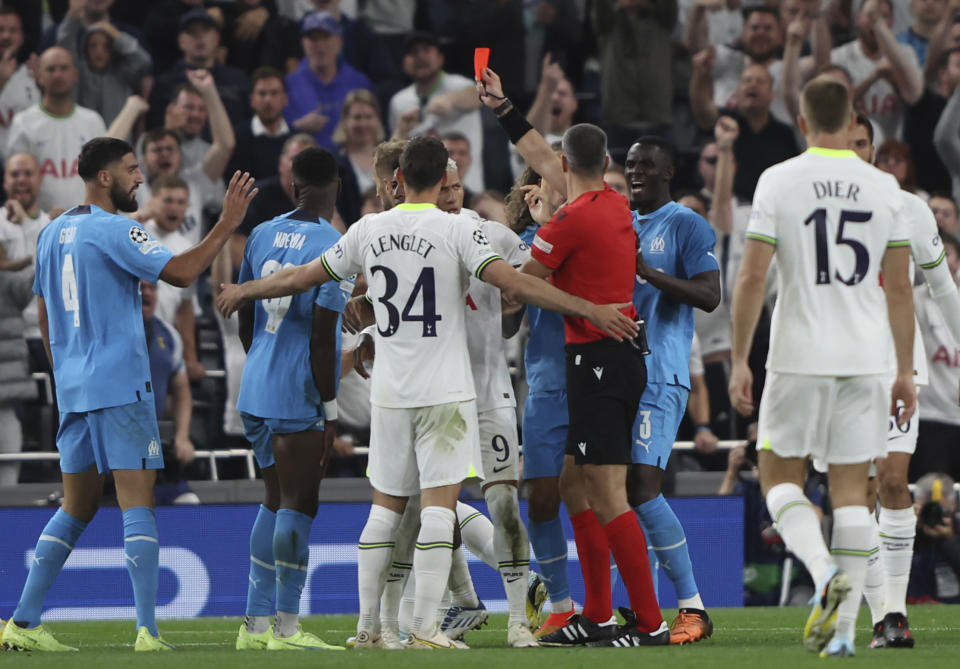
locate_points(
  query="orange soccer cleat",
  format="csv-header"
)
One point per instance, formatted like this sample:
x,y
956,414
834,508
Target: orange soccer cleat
x,y
689,626
554,622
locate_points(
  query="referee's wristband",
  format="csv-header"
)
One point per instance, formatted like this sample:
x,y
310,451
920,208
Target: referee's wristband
x,y
330,410
515,125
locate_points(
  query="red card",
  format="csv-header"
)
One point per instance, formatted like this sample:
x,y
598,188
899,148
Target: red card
x,y
481,58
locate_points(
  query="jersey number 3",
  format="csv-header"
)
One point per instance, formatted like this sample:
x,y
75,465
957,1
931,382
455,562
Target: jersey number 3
x,y
861,255
68,289
425,286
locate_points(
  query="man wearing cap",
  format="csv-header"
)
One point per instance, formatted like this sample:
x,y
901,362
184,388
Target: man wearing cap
x,y
198,40
438,102
319,86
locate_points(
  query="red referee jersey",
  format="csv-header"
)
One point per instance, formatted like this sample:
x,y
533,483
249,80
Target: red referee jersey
x,y
592,249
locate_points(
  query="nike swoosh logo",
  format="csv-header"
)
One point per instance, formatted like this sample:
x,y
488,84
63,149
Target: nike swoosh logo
x,y
497,470
514,579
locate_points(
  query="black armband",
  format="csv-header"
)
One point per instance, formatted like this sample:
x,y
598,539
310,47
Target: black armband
x,y
515,125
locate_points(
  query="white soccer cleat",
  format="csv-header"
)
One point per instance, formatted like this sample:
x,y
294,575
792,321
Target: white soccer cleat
x,y
520,636
438,641
390,640
458,620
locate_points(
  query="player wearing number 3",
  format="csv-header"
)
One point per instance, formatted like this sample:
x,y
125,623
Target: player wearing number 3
x,y
90,262
418,261
834,222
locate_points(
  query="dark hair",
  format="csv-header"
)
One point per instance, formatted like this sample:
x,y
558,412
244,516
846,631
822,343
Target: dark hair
x,y
454,136
944,195
7,10
267,72
315,166
585,148
689,192
825,103
168,181
866,123
773,11
424,163
665,146
950,240
98,154
900,150
155,135
185,86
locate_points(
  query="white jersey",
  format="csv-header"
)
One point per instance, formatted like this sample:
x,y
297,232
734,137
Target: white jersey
x,y
56,142
20,241
417,261
17,94
201,191
169,296
939,397
831,217
485,341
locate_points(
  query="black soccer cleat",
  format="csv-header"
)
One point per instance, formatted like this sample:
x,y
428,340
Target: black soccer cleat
x,y
896,631
879,639
629,636
580,631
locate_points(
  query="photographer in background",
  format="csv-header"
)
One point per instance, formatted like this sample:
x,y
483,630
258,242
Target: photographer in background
x,y
935,576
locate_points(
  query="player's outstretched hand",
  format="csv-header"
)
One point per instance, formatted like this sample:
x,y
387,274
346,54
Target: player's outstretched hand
x,y
903,400
610,319
235,202
362,352
358,314
741,388
229,299
490,89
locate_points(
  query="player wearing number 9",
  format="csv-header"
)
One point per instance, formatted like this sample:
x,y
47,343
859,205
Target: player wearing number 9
x,y
90,262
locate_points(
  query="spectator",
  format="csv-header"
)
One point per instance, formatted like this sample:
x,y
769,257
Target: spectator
x,y
939,428
927,15
169,379
186,115
944,209
921,120
162,22
553,27
894,157
256,35
199,39
260,140
16,292
946,135
88,12
704,22
54,130
636,65
458,146
18,90
369,202
937,542
698,407
946,36
357,135
617,180
490,205
762,140
322,82
695,202
112,65
175,305
886,75
441,102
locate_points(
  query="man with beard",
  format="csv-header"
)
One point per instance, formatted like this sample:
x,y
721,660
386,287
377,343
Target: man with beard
x,y
260,140
90,262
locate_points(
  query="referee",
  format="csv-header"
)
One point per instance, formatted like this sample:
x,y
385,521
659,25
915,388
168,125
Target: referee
x,y
588,249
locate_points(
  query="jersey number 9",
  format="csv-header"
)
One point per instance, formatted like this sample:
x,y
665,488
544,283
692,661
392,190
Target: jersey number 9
x,y
276,307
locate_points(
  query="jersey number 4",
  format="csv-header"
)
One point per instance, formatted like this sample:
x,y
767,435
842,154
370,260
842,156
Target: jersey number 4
x,y
861,255
425,286
68,289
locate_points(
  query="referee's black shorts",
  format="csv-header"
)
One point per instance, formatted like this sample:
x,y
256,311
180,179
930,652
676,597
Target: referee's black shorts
x,y
605,380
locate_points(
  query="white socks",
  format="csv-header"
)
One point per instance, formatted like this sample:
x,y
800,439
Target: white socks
x,y
799,527
851,546
373,559
462,592
401,563
873,586
511,545
898,529
477,533
431,564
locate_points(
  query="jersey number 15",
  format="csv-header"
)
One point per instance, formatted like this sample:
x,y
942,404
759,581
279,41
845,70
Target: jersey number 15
x,y
861,255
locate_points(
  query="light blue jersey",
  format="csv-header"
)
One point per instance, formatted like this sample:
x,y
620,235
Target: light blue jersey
x,y
277,378
89,266
679,242
545,357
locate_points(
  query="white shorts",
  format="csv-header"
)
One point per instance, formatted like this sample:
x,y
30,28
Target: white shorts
x,y
499,445
903,438
423,447
834,420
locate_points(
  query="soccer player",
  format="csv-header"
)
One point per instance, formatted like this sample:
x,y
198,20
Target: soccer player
x,y
834,223
590,246
676,272
90,262
289,408
423,430
888,573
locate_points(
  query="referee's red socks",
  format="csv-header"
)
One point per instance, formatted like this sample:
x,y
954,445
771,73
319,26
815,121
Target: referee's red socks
x,y
595,564
629,547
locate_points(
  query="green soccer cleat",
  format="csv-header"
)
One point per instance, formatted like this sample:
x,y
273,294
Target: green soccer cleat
x,y
823,617
300,641
147,642
247,640
536,598
35,638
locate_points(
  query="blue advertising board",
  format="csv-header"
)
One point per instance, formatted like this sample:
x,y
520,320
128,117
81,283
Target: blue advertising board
x,y
204,558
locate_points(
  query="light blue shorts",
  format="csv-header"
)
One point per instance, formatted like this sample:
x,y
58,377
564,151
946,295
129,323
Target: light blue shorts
x,y
260,431
658,418
545,422
121,437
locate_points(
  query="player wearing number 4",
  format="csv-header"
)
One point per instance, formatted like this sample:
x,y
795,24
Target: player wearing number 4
x,y
829,347
418,261
90,262
289,408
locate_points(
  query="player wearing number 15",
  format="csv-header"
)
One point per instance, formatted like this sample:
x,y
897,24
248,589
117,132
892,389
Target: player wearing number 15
x,y
90,262
834,223
418,261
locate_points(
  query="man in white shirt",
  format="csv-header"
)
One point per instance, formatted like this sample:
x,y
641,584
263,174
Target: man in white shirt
x,y
18,90
446,102
55,129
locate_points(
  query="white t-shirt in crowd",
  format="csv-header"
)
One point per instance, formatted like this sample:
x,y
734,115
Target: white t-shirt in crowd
x,y
202,192
728,65
17,94
418,261
831,317
938,399
20,241
169,297
56,142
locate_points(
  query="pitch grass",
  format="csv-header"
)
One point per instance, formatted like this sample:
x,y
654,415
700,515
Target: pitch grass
x,y
744,638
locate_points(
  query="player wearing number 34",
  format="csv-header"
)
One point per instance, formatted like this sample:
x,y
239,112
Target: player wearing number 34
x,y
418,261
